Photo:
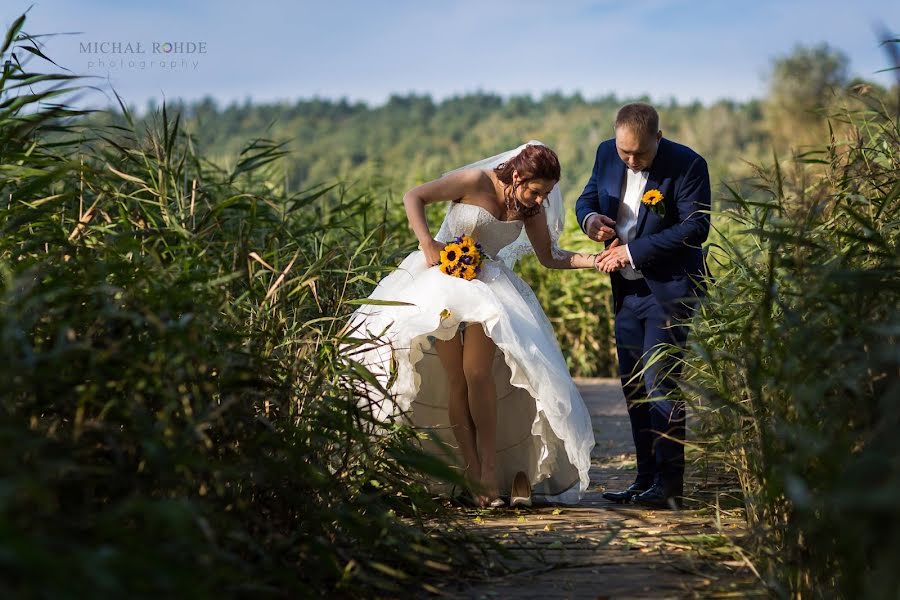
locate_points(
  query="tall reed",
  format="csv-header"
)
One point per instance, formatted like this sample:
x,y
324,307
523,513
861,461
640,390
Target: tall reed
x,y
173,416
794,370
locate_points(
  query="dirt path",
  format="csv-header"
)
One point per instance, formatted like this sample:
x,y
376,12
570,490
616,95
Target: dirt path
x,y
602,550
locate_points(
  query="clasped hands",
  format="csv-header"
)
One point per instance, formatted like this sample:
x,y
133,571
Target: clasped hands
x,y
600,228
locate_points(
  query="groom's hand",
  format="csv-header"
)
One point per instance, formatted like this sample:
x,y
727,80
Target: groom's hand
x,y
600,228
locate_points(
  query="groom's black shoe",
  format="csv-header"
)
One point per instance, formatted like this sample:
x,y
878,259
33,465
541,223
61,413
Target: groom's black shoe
x,y
625,496
660,496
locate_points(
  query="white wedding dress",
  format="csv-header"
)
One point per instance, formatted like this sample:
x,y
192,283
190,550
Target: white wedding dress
x,y
543,426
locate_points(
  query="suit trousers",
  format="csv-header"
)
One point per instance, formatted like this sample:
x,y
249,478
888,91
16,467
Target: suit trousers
x,y
655,407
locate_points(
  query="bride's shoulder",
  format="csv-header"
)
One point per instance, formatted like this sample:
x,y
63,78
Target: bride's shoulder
x,y
453,185
468,185
476,178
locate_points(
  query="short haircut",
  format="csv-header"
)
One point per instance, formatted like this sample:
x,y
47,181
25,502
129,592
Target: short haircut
x,y
639,117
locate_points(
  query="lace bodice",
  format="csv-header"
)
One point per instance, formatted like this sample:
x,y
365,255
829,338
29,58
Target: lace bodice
x,y
476,221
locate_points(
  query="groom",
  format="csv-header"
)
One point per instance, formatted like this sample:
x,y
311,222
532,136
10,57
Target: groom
x,y
655,264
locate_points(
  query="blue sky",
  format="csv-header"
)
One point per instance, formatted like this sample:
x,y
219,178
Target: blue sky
x,y
366,50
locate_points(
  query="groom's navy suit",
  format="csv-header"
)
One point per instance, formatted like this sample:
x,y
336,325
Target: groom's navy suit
x,y
667,252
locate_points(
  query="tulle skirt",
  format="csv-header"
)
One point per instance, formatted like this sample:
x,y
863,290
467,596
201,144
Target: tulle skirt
x,y
543,426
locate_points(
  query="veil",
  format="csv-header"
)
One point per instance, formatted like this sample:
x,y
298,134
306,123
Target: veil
x,y
553,209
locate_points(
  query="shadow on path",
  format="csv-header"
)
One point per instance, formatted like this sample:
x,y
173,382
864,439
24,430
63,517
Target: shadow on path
x,y
602,550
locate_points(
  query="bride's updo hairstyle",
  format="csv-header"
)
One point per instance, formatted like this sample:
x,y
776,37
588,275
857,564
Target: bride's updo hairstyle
x,y
533,162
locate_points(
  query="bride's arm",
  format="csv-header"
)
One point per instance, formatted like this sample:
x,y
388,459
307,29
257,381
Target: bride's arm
x,y
539,235
449,187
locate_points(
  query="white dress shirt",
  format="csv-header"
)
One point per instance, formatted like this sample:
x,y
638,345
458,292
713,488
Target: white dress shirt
x,y
633,185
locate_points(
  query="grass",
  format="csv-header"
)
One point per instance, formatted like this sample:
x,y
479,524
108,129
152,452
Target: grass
x,y
175,417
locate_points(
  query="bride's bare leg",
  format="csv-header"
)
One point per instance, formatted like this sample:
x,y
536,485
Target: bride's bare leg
x,y
451,356
478,361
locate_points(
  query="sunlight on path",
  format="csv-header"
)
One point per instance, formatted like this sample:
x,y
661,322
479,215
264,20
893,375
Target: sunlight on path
x,y
601,550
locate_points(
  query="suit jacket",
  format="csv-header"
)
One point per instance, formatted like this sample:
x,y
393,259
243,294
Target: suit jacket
x,y
667,250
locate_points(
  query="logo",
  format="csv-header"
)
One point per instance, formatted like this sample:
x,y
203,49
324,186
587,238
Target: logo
x,y
141,55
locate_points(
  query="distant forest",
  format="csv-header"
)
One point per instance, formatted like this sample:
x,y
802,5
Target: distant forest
x,y
413,138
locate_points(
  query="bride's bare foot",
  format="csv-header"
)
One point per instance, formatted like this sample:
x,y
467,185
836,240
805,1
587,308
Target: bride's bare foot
x,y
490,492
472,477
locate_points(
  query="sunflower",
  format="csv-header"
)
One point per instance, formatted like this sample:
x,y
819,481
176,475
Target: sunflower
x,y
468,272
468,246
653,200
652,197
451,254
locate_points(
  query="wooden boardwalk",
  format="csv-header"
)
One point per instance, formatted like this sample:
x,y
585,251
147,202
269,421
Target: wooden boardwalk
x,y
601,550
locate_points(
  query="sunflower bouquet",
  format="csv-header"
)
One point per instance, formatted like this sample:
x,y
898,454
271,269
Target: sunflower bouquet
x,y
462,258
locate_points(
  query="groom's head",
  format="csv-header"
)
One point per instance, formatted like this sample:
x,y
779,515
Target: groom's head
x,y
637,135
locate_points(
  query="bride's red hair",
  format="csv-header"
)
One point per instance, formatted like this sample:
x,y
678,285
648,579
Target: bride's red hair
x,y
535,161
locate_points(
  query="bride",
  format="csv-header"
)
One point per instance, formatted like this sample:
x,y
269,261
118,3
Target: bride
x,y
508,418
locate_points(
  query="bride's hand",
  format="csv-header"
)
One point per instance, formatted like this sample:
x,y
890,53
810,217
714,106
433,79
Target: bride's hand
x,y
432,252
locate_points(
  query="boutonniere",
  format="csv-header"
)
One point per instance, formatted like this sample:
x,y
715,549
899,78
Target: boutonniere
x,y
653,199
